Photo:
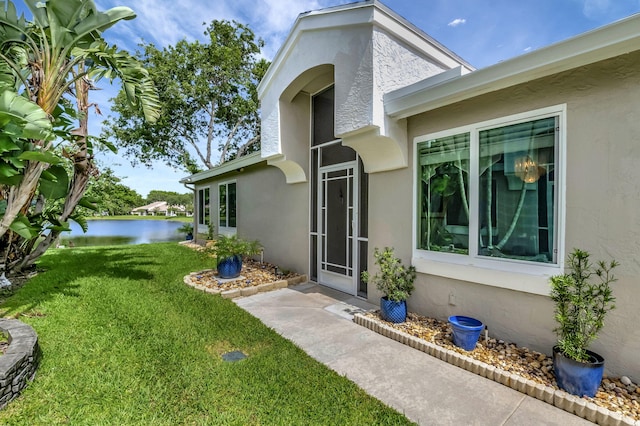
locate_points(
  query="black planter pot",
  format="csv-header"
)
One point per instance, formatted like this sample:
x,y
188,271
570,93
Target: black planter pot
x,y
578,378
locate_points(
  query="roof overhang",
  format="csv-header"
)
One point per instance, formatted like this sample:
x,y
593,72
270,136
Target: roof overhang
x,y
229,166
600,44
367,12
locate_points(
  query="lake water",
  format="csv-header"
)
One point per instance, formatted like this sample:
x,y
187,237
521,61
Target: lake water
x,y
117,232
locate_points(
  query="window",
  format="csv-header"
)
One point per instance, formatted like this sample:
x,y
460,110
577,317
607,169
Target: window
x,y
203,206
488,193
227,207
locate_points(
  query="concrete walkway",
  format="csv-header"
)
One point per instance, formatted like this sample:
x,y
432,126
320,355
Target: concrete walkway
x,y
427,390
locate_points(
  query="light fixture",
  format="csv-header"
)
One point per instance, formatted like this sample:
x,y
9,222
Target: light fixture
x,y
526,169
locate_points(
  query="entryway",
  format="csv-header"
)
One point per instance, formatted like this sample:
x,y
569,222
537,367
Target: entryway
x,y
339,198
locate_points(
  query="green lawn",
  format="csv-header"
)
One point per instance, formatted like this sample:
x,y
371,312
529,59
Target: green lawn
x,y
125,342
136,217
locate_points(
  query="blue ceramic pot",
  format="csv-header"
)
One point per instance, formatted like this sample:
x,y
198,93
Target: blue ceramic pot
x,y
466,331
391,311
578,378
229,267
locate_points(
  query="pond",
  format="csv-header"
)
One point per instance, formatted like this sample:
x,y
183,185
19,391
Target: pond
x,y
119,232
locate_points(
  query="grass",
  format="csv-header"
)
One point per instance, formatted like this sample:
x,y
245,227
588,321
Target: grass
x,y
184,219
125,342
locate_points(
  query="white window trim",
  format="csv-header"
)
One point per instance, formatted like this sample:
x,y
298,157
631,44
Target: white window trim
x,y
227,230
200,190
511,274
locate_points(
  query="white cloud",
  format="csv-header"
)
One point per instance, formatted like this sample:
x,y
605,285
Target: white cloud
x,y
595,8
456,22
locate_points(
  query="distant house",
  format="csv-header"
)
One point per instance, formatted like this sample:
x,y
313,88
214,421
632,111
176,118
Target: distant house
x,y
374,134
158,208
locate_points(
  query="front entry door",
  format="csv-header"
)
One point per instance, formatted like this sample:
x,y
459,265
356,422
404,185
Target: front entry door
x,y
337,217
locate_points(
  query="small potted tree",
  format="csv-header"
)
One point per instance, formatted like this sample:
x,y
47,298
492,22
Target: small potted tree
x,y
396,283
229,251
187,229
583,296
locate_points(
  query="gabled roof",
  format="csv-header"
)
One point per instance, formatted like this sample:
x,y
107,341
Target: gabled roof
x,y
364,12
600,44
156,205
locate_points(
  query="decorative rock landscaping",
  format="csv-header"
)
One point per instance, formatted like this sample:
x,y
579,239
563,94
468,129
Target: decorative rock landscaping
x,y
255,277
616,403
20,360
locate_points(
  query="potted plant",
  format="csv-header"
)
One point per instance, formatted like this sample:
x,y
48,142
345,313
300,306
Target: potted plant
x,y
396,283
466,331
187,229
229,251
583,296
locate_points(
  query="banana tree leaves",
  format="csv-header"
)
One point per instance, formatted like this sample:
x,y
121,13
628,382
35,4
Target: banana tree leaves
x,y
74,21
55,183
32,120
42,156
23,227
89,203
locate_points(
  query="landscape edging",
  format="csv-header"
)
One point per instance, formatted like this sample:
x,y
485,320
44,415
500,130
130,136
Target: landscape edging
x,y
245,291
559,398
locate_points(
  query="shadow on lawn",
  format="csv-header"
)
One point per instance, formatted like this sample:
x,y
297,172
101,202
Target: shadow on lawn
x,y
61,269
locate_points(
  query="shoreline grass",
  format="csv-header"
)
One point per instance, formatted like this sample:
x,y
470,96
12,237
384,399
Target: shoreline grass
x,y
125,342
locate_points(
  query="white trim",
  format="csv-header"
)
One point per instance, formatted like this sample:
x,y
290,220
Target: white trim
x,y
229,166
227,230
200,214
369,12
603,43
513,274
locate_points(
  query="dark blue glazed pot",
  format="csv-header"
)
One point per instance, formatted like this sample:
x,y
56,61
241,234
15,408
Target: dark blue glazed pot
x,y
229,267
391,311
578,378
466,331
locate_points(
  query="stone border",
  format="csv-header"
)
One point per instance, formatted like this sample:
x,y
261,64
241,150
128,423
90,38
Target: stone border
x,y
19,363
244,291
559,398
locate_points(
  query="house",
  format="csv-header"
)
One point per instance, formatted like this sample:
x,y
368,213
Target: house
x,y
160,208
374,134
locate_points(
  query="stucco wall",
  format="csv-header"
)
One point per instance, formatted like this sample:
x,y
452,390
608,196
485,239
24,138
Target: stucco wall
x,y
271,211
602,205
350,50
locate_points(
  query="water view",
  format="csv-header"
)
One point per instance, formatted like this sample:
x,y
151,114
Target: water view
x,y
118,232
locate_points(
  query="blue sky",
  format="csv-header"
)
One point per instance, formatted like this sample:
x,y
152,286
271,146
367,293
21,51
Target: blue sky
x,y
483,32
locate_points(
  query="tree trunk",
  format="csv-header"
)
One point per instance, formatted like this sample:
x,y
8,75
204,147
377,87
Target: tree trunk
x,y
20,196
83,169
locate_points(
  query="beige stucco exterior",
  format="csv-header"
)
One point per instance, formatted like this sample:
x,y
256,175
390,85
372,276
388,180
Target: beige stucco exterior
x,y
268,210
357,49
602,204
366,61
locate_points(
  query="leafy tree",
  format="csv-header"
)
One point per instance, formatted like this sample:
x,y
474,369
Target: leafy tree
x,y
51,61
111,196
172,198
208,93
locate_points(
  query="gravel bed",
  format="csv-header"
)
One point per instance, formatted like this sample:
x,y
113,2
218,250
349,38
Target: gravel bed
x,y
616,394
253,272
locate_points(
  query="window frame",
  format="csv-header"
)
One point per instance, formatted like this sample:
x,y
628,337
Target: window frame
x,y
202,206
514,274
227,230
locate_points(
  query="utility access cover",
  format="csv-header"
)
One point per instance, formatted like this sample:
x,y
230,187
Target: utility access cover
x,y
233,356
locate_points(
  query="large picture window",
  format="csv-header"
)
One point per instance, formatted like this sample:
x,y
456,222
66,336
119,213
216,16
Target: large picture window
x,y
490,191
227,207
